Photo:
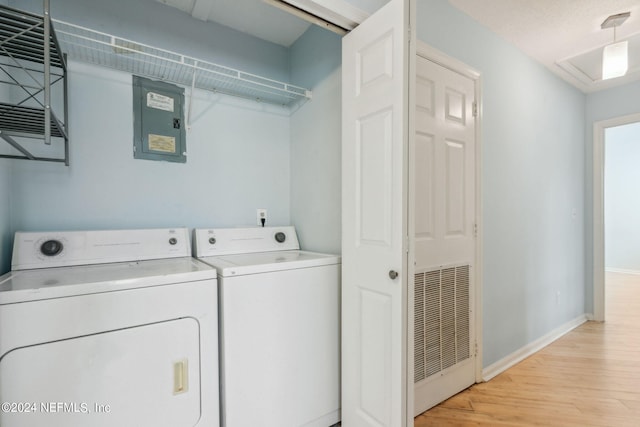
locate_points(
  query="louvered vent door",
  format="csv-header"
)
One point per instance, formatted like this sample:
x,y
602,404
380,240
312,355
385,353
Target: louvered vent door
x,y
442,320
444,226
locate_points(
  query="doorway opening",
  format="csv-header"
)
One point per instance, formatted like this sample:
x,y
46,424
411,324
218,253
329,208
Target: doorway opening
x,y
601,131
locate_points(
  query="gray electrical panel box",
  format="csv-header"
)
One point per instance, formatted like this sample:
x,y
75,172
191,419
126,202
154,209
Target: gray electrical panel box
x,y
158,121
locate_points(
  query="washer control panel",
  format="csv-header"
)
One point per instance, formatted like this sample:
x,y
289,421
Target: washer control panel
x,y
66,248
230,241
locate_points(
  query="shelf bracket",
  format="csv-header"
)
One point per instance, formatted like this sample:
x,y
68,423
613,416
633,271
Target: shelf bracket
x,y
193,87
17,146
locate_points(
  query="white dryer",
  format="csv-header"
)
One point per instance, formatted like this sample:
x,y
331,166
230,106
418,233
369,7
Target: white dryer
x,y
108,328
279,333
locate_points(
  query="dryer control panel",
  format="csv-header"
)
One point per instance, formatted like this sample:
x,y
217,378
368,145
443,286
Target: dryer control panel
x,y
231,241
68,248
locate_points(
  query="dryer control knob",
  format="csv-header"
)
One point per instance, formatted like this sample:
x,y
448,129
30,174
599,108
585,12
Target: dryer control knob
x,y
281,237
173,241
212,240
51,247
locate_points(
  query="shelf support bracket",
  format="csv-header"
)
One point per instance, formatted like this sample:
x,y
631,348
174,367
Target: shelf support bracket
x,y
193,86
17,146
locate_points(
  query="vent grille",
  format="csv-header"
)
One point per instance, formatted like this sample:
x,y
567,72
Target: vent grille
x,y
441,311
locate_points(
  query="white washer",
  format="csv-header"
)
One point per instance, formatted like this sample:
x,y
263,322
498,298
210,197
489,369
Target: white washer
x,y
279,334
108,328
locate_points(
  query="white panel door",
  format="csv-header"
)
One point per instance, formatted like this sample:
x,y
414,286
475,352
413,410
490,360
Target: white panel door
x,y
374,174
444,222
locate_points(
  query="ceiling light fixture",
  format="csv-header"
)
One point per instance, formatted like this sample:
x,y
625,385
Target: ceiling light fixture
x,y
615,61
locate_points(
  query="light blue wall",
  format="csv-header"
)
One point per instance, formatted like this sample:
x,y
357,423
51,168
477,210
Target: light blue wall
x,y
238,158
622,199
607,104
603,105
153,23
316,142
238,150
533,190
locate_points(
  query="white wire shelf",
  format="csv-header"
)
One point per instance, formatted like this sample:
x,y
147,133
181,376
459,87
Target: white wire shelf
x,y
103,49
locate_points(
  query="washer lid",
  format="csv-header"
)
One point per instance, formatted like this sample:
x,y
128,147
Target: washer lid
x,y
47,283
264,262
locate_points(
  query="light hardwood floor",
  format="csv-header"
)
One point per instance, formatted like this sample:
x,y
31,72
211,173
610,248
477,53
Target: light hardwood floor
x,y
589,377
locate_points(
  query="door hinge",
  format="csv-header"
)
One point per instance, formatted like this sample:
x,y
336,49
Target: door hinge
x,y
475,229
474,109
475,349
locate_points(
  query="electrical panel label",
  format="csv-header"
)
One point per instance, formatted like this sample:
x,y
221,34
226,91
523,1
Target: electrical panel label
x,y
159,102
165,144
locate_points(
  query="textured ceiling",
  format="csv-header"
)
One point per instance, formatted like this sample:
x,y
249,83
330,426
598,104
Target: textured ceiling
x,y
564,35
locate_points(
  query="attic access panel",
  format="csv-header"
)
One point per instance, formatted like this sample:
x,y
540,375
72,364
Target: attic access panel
x,y
158,121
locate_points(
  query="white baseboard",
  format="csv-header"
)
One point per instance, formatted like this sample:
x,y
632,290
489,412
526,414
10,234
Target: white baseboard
x,y
531,348
622,271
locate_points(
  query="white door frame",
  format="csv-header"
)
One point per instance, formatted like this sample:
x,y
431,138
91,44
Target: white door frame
x,y
599,129
440,58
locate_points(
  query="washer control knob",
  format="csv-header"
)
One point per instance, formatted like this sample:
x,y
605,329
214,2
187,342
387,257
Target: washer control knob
x,y
212,240
173,241
280,237
51,247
